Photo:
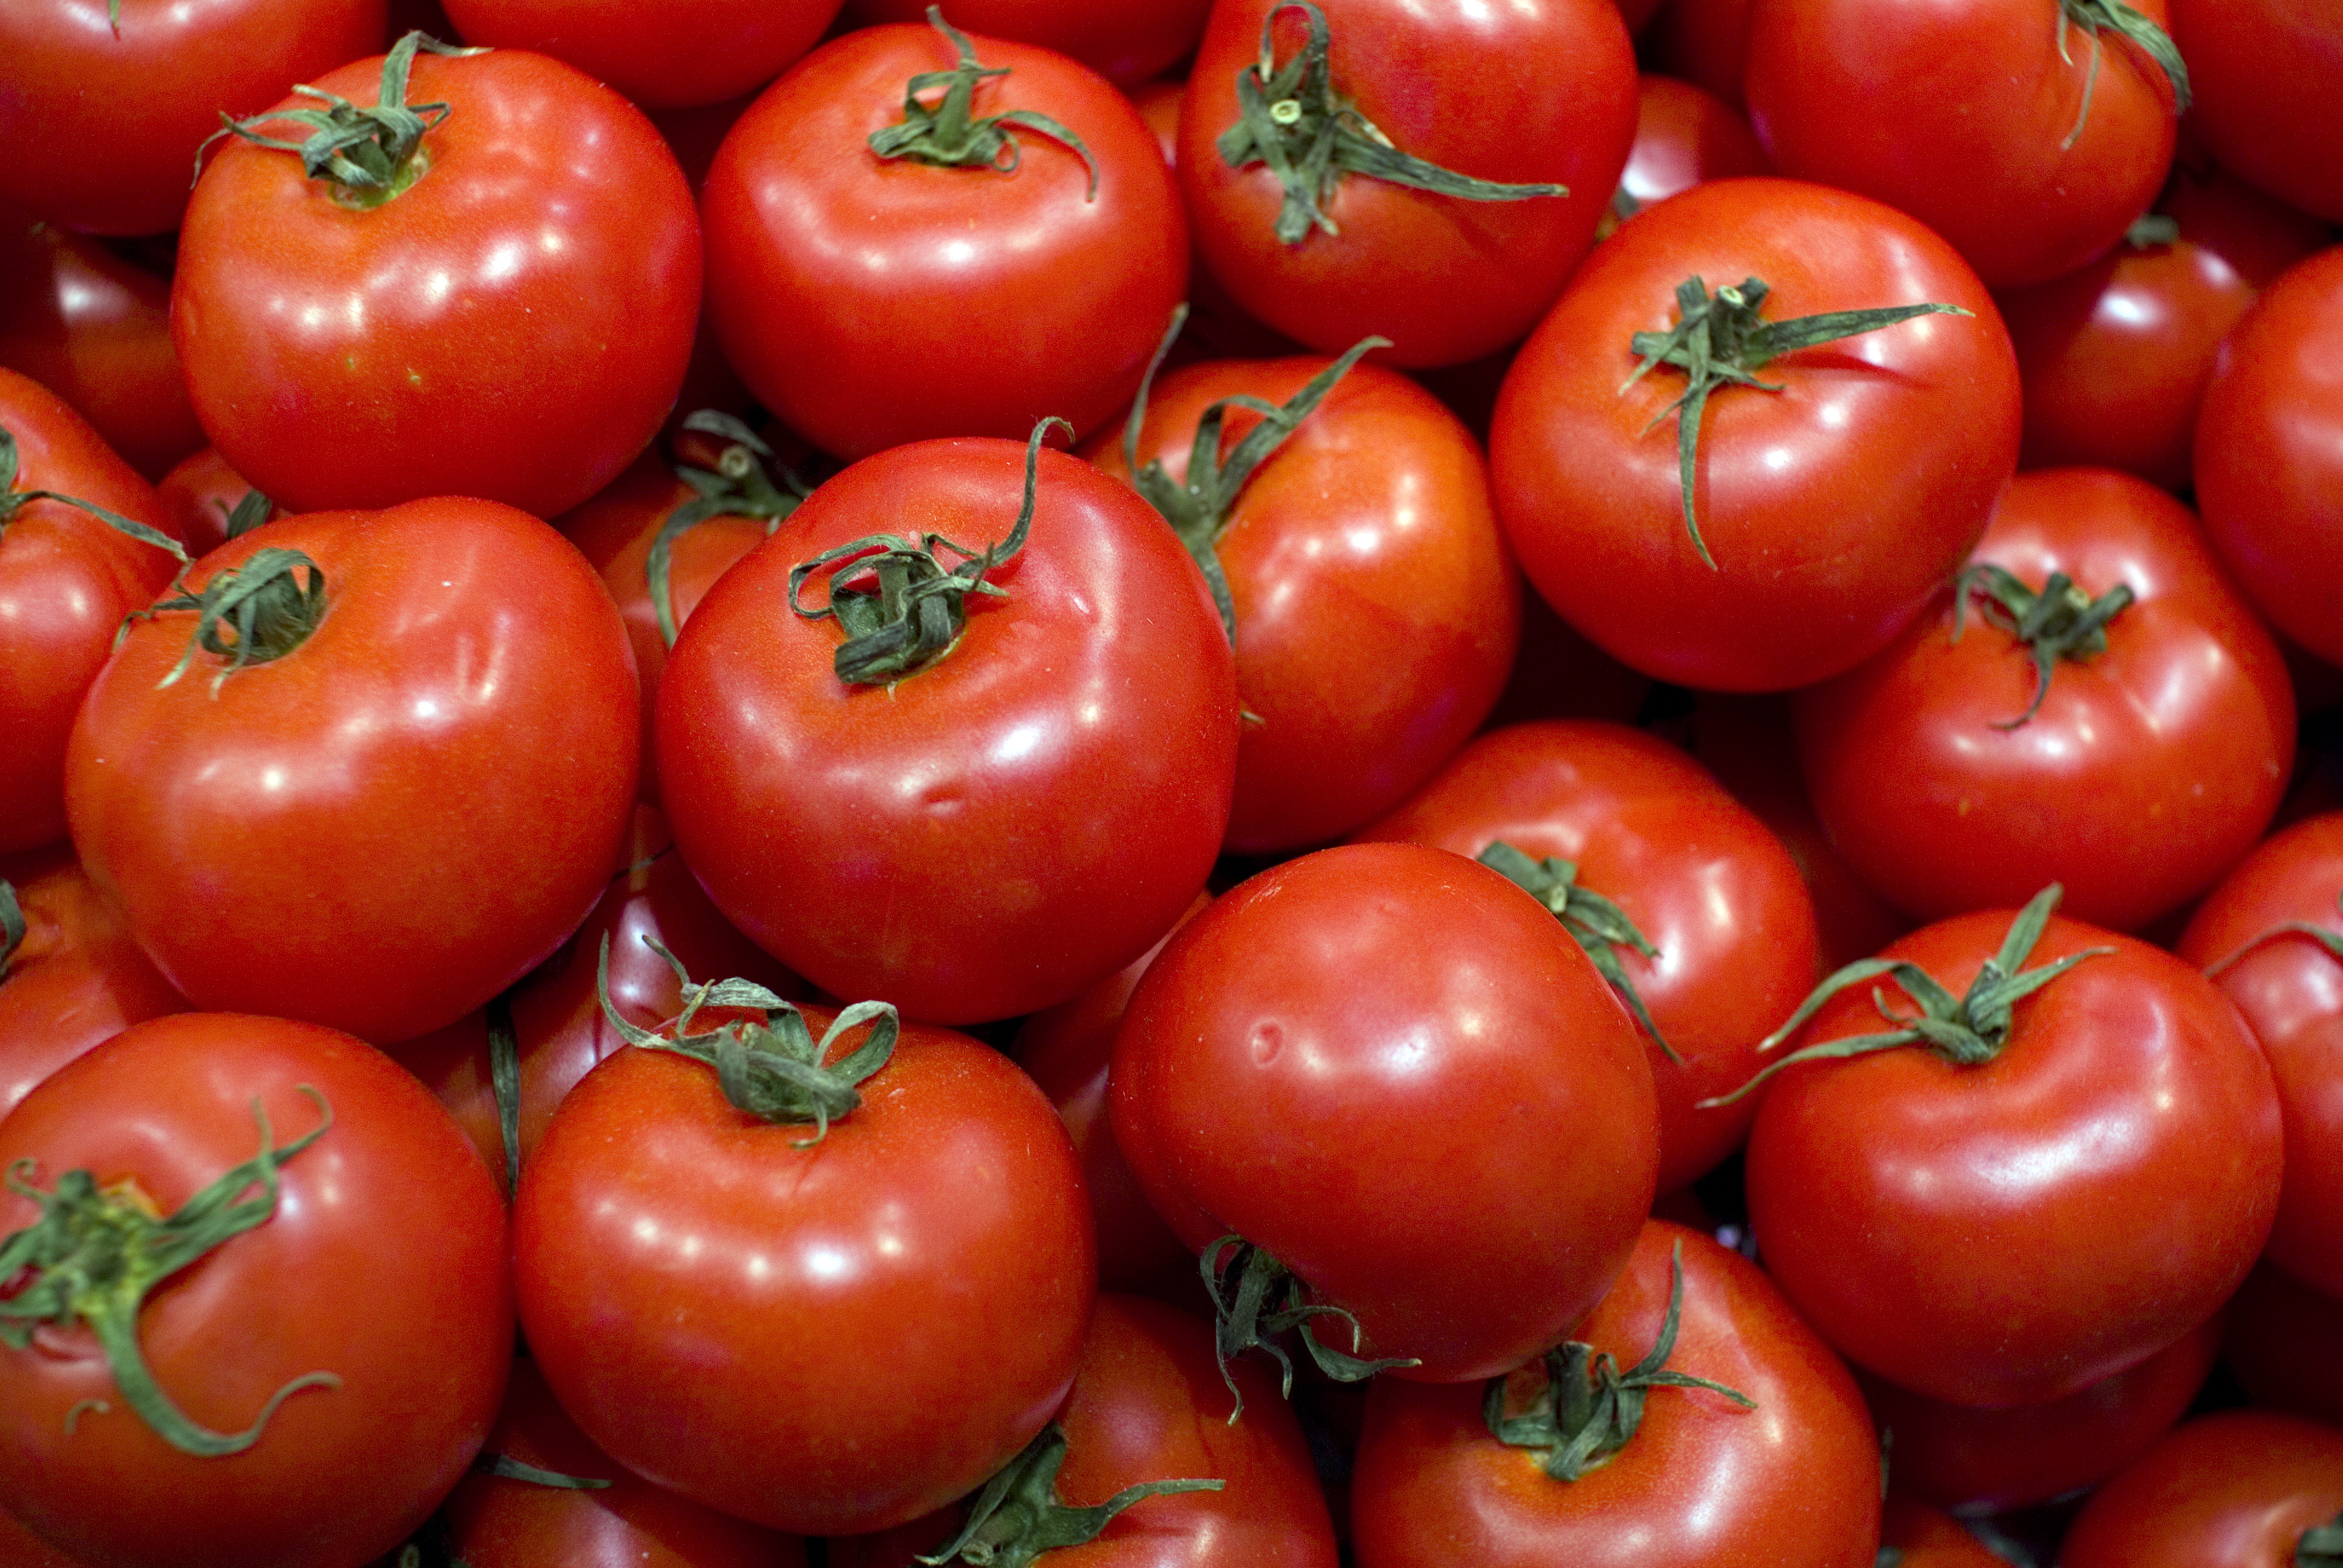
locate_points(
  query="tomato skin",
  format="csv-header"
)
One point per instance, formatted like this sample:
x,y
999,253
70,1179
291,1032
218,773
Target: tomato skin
x,y
683,53
1686,136
1021,819
1542,95
1832,508
487,810
1127,42
2265,73
514,326
869,303
1794,1483
1347,1031
2291,993
2236,1488
1701,877
384,1262
1377,605
2285,1343
1944,1227
1929,1538
2148,771
826,1340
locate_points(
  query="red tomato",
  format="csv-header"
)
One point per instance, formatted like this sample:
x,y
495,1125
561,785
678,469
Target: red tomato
x,y
998,830
1926,1538
201,495
2266,74
511,325
1704,1482
1698,876
827,1338
1348,1032
399,817
2012,1231
1376,603
1127,42
2285,1343
2150,766
677,54
2290,989
1832,508
868,302
1516,94
1683,136
2028,142
381,1262
2238,1489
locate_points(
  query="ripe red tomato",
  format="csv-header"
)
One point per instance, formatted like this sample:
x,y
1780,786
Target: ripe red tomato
x,y
1832,508
1684,136
381,1262
2265,72
677,55
1329,1045
828,1338
1128,42
2237,1489
395,820
511,325
1704,1482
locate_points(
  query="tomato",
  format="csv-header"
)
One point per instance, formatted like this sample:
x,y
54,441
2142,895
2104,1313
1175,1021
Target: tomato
x,y
1925,1537
2158,755
2238,1489
1145,1407
1348,1032
513,324
66,579
2011,1231
996,831
2289,986
1377,605
396,819
1703,1481
869,301
1683,136
2028,141
1695,874
1127,42
2269,453
825,1337
2265,72
201,495
681,54
2285,1343
380,1261
1517,94
1831,509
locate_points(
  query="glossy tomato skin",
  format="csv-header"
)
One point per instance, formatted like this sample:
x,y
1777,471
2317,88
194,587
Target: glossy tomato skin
x,y
2290,990
1686,136
512,326
2148,771
1515,94
1792,1484
1023,817
1378,608
449,758
1702,880
828,1339
1126,43
681,55
2268,436
67,580
383,1262
1944,1227
1348,1031
2236,1488
1832,508
870,302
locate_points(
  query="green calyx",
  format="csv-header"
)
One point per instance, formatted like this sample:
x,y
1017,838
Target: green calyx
x,y
2321,1546
12,925
1599,926
94,1254
1589,1410
1254,1297
2062,622
950,136
1197,508
504,1467
247,515
1723,341
1290,117
250,613
14,500
504,1082
2091,16
1968,1030
2332,940
770,1066
1017,1516
370,155
902,609
737,487
2151,230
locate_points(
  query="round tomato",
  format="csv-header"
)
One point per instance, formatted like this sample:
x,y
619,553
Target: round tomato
x,y
677,54
394,819
2237,1489
376,1257
1829,510
511,324
1683,136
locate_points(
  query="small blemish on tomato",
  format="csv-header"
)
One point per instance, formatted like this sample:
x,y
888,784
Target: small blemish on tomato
x,y
1268,1040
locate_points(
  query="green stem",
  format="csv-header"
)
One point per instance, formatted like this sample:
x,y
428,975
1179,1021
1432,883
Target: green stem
x,y
1601,927
1255,1297
504,1080
2062,622
2321,1546
370,155
2153,41
1018,1516
737,487
2332,940
272,604
12,925
14,500
949,135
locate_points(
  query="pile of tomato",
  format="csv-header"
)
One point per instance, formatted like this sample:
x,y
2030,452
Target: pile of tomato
x,y
1226,782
